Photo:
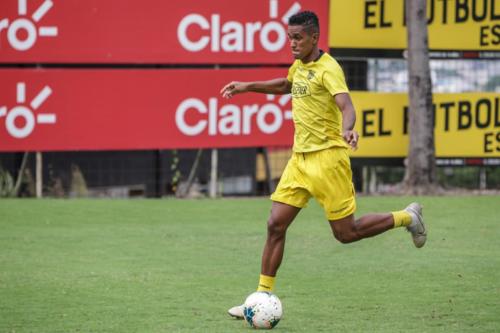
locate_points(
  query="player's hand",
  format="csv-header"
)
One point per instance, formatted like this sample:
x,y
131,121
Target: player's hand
x,y
351,137
232,89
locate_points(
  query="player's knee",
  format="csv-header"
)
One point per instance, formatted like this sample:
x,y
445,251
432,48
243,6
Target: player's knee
x,y
347,234
346,237
275,227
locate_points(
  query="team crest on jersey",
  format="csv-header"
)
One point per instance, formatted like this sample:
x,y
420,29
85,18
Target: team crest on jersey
x,y
310,75
300,89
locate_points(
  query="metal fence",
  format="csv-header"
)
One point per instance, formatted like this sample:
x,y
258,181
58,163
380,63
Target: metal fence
x,y
448,76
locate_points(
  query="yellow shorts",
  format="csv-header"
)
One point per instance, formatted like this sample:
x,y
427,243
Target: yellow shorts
x,y
325,175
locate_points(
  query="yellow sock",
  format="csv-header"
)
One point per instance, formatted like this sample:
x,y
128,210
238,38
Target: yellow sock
x,y
401,218
266,283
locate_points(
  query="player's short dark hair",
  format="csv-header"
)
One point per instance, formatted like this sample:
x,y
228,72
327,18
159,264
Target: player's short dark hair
x,y
307,19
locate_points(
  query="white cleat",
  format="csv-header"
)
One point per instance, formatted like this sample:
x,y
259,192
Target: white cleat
x,y
236,312
417,227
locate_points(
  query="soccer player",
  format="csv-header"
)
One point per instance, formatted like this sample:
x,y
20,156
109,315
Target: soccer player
x,y
324,119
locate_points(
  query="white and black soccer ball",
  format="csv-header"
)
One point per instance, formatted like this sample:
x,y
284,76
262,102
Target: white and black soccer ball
x,y
262,309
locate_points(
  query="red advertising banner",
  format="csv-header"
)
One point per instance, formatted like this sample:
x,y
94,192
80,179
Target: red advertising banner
x,y
54,110
151,31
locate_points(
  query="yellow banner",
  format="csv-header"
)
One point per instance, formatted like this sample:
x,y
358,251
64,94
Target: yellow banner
x,y
466,125
380,24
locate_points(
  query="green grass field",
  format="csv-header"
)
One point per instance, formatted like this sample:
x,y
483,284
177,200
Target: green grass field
x,y
176,266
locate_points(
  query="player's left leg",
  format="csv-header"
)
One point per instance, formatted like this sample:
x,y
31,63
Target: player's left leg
x,y
348,230
333,188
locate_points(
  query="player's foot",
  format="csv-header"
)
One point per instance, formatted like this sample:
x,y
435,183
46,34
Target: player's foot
x,y
236,312
417,227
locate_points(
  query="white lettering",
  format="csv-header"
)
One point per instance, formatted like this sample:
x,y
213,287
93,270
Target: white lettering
x,y
230,122
29,119
180,116
212,116
189,45
232,41
248,112
230,119
233,36
4,24
251,29
215,33
15,42
261,118
266,31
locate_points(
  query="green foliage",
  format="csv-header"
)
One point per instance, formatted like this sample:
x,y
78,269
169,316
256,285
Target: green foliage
x,y
468,177
463,177
448,177
493,84
493,177
174,169
6,183
390,175
177,265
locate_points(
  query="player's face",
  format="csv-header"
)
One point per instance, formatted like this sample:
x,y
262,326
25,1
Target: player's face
x,y
301,42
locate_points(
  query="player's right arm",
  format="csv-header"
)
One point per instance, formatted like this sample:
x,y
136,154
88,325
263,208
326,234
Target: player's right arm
x,y
276,86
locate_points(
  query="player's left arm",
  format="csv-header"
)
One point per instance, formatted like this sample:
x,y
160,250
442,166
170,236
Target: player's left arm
x,y
345,105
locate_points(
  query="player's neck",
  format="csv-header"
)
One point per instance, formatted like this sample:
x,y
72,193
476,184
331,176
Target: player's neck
x,y
313,56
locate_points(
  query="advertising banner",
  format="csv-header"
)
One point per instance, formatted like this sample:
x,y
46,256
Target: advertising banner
x,y
119,109
457,28
151,31
51,110
466,125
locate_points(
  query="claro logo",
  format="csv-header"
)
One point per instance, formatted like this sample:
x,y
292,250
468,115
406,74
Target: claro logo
x,y
22,32
20,121
231,119
233,36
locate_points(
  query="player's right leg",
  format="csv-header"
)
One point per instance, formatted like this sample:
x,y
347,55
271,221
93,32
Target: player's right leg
x,y
282,215
290,196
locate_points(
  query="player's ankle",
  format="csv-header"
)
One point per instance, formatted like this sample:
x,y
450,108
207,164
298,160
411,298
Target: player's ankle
x,y
266,283
401,218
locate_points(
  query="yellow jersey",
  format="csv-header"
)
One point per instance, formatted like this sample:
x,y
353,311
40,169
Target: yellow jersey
x,y
316,116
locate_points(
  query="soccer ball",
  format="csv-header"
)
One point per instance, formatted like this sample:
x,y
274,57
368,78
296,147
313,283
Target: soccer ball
x,y
262,309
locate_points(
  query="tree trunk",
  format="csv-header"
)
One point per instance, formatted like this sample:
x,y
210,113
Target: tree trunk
x,y
420,176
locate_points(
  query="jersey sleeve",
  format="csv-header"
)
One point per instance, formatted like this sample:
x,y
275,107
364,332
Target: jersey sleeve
x,y
291,71
334,80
